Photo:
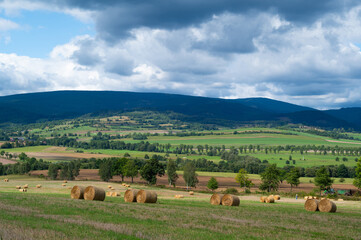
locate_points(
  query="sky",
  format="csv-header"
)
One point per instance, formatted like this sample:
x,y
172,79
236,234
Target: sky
x,y
300,51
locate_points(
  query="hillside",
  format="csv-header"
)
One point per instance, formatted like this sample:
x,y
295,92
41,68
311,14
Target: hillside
x,y
25,108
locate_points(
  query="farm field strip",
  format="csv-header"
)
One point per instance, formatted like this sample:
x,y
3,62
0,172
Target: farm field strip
x,y
52,214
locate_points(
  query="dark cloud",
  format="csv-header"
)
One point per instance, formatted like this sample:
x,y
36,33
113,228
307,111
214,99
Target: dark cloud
x,y
86,55
115,18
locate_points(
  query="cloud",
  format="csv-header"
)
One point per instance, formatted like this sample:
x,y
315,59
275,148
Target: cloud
x,y
303,52
6,25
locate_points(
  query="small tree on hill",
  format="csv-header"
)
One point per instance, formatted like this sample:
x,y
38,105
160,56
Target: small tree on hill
x,y
293,177
212,184
270,178
189,175
242,179
357,180
322,179
172,172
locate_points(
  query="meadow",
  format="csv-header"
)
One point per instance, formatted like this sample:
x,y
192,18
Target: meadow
x,y
49,213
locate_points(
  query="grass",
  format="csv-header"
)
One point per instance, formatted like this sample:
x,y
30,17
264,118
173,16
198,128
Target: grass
x,y
56,216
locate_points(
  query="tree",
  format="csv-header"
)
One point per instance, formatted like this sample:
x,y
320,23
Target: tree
x,y
53,171
105,170
357,180
322,179
282,175
151,169
172,172
22,156
293,177
342,171
270,178
189,175
212,184
118,167
130,169
65,171
242,179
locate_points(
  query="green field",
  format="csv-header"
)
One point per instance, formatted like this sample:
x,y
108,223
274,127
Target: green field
x,y
49,213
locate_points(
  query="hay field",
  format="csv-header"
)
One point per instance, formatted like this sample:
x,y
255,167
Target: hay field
x,y
49,213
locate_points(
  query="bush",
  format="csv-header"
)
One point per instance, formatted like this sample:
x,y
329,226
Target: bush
x,y
247,190
341,180
231,191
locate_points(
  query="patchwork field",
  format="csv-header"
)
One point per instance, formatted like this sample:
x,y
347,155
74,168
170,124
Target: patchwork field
x,y
49,213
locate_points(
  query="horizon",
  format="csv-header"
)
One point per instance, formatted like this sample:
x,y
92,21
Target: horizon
x,y
299,52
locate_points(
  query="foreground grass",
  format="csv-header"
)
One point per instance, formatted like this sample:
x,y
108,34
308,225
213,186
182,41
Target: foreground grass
x,y
44,216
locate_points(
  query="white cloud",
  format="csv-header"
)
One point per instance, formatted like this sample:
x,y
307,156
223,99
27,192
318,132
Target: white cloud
x,y
6,25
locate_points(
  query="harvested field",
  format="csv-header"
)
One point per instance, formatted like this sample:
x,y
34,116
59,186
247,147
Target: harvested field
x,y
50,213
6,161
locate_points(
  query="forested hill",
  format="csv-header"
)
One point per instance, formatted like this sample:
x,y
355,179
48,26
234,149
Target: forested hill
x,y
25,108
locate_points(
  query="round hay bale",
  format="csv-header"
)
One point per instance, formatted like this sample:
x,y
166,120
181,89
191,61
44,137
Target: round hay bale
x,y
263,199
306,197
77,192
340,200
230,200
144,196
64,185
38,186
108,194
327,206
94,193
270,199
191,193
109,186
65,181
131,195
216,199
277,197
179,196
115,194
112,189
18,187
311,205
26,186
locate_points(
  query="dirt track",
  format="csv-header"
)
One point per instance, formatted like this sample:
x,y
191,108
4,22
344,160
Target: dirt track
x,y
223,182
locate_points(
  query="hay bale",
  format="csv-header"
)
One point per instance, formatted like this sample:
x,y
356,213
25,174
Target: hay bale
x,y
144,196
277,197
112,189
115,194
94,193
38,186
311,205
179,196
230,200
263,199
6,180
340,200
77,192
131,195
191,193
108,194
270,199
306,197
216,199
26,186
327,206
23,190
65,181
64,185
18,187
128,186
109,187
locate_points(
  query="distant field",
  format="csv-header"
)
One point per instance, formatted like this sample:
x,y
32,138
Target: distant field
x,y
49,213
263,139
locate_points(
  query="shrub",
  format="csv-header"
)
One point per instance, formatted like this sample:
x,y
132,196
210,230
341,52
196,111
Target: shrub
x,y
342,180
230,191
